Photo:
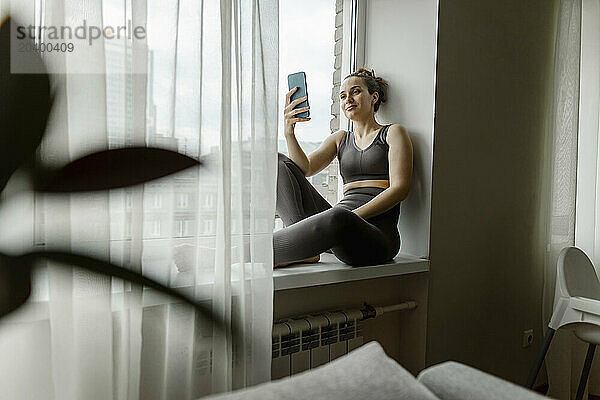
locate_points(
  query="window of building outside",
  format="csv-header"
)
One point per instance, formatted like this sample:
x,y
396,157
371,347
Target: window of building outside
x,y
310,40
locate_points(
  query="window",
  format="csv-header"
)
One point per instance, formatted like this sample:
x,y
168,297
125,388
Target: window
x,y
183,200
178,231
128,201
310,40
189,227
307,42
209,200
156,200
155,228
209,227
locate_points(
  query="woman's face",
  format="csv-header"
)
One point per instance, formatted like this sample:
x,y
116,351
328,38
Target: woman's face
x,y
355,99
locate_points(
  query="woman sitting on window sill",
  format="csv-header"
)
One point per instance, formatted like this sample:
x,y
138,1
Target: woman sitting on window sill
x,y
376,167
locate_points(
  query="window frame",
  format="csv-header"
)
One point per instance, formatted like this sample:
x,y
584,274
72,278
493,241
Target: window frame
x,y
589,117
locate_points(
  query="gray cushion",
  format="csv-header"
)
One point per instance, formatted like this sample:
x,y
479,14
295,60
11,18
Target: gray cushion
x,y
453,381
365,373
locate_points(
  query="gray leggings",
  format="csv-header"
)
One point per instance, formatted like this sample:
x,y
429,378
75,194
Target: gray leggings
x,y
312,226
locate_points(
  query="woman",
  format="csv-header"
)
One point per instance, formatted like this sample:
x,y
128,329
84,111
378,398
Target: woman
x,y
376,167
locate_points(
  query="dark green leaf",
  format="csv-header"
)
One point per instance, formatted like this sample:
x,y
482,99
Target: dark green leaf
x,y
25,103
15,283
112,169
99,266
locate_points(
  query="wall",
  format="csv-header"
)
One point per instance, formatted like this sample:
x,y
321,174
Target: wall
x,y
494,62
401,47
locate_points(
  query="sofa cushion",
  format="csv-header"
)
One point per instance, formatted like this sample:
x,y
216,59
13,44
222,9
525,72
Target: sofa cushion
x,y
365,373
453,381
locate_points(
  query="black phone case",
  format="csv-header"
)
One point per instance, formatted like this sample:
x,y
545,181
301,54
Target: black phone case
x,y
299,79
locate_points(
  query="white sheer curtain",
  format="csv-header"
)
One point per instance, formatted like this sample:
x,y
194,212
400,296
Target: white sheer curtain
x,y
203,82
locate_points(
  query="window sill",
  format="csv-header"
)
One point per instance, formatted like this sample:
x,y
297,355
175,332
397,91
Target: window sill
x,y
331,270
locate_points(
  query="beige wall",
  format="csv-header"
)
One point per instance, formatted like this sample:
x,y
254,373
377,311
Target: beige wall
x,y
494,59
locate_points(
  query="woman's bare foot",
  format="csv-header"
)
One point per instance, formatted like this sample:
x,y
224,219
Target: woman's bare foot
x,y
308,260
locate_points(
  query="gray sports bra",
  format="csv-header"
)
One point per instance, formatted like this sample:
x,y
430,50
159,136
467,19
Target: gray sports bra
x,y
370,163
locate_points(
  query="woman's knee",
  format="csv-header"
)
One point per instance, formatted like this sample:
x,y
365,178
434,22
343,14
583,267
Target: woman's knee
x,y
288,167
282,159
337,219
283,162
326,223
341,216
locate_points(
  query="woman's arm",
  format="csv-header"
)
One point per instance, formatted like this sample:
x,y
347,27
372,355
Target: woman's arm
x,y
319,158
322,157
400,159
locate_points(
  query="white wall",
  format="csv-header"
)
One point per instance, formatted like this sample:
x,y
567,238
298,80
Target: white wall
x,y
401,47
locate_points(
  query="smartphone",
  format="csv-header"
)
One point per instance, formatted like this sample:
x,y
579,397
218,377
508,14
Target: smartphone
x,y
298,79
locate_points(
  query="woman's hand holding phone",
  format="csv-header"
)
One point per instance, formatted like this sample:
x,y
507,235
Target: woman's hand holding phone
x,y
289,112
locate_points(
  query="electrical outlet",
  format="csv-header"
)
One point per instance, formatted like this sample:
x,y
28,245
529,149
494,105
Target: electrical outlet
x,y
527,338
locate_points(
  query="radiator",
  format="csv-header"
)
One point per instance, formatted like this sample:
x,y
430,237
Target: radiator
x,y
305,342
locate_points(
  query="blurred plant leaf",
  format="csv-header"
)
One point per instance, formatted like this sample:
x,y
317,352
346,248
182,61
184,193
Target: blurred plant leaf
x,y
25,103
15,283
18,270
111,169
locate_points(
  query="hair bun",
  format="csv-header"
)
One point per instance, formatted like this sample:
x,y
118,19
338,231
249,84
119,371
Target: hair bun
x,y
374,84
364,71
